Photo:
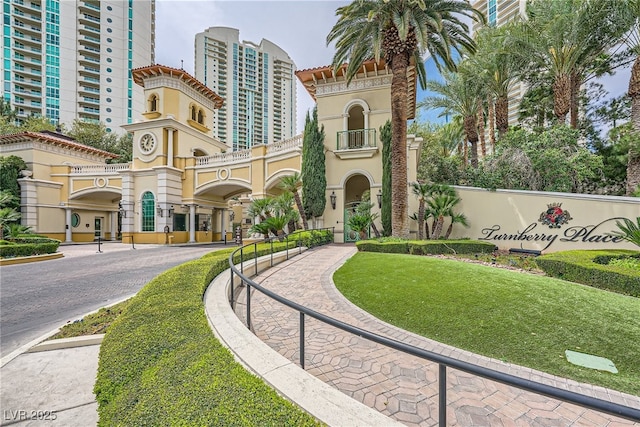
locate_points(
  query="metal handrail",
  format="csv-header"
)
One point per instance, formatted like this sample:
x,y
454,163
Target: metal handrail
x,y
588,402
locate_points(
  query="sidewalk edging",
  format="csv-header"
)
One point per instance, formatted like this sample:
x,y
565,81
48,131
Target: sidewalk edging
x,y
319,399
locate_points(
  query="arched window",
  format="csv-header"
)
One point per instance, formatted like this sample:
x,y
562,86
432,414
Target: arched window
x,y
148,211
200,117
153,103
193,113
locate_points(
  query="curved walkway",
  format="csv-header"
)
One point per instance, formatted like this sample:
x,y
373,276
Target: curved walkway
x,y
400,386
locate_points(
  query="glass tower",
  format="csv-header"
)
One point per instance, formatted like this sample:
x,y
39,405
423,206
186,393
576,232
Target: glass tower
x,y
70,60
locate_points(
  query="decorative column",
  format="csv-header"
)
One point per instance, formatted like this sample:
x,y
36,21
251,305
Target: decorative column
x,y
67,231
192,223
114,224
170,147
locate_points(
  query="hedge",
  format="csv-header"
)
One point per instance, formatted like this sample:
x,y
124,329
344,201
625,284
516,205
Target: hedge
x,y
160,363
589,268
426,247
39,246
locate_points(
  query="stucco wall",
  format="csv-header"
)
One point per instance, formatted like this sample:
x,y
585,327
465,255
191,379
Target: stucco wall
x,y
515,219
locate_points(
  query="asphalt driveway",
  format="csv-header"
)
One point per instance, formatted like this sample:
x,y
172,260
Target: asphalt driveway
x,y
36,298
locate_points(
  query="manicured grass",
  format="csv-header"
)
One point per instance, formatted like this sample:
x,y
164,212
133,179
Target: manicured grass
x,y
160,363
95,323
520,318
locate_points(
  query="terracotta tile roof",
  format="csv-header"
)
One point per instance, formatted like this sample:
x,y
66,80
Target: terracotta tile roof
x,y
50,138
311,77
139,74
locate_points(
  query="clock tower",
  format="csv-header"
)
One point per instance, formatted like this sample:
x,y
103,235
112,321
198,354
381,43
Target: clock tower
x,y
175,128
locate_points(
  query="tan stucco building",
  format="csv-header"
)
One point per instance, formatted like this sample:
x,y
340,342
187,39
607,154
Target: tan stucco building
x,y
183,187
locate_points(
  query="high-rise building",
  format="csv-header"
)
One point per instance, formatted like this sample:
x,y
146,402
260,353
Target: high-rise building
x,y
499,12
257,82
70,60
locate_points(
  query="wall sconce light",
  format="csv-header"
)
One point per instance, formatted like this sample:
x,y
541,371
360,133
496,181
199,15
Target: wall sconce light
x,y
232,215
159,210
123,213
379,195
171,209
333,199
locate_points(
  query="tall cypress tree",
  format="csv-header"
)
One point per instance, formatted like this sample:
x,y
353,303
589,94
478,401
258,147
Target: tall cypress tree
x,y
385,214
314,180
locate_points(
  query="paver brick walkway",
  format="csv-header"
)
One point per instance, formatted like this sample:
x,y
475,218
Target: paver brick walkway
x,y
398,385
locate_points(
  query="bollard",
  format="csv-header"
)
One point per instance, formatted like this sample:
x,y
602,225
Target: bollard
x,y
99,242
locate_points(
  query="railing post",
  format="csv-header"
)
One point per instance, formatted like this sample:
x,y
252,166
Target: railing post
x,y
255,257
287,246
248,306
271,252
231,287
242,260
302,340
442,395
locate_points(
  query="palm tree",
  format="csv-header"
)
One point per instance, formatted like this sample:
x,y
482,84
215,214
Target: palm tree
x,y
456,218
421,190
499,71
561,39
441,206
400,31
450,136
291,183
7,214
633,41
460,94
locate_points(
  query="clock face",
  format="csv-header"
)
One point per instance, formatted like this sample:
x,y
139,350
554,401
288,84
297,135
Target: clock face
x,y
147,143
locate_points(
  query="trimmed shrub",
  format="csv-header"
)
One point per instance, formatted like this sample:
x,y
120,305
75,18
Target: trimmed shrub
x,y
590,267
160,363
28,247
426,247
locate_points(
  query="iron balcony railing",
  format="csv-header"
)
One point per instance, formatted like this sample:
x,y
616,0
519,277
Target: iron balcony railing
x,y
443,362
355,139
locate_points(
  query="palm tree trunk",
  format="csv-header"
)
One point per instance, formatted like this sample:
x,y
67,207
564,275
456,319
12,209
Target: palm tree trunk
x,y
561,97
502,115
472,135
421,219
633,164
575,88
492,124
375,229
437,227
399,180
481,127
296,197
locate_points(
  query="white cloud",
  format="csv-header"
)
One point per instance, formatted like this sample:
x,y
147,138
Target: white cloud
x,y
298,27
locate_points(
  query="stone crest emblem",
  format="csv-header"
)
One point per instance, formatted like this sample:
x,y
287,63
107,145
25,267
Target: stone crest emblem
x,y
555,216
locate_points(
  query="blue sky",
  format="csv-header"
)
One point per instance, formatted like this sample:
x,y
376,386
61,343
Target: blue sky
x,y
299,27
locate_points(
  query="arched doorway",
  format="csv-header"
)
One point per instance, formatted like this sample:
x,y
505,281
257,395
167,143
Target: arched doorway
x,y
354,187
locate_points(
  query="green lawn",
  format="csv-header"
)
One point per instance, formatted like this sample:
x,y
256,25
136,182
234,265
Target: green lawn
x,y
520,318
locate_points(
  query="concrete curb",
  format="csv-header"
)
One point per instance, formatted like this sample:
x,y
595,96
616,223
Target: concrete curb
x,y
319,399
63,343
27,259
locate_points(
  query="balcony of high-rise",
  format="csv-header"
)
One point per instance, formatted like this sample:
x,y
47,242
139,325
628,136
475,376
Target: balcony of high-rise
x,y
27,16
28,5
87,5
28,29
27,49
89,40
28,83
89,29
27,38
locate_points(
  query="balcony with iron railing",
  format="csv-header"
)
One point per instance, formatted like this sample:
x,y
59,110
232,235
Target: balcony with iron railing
x,y
356,143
